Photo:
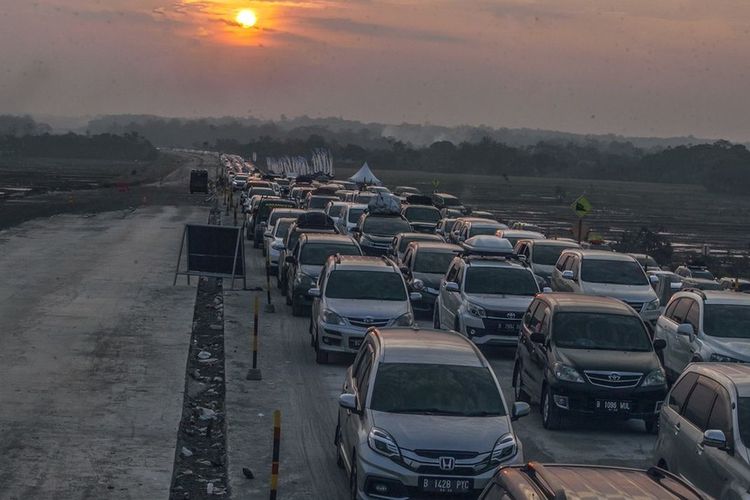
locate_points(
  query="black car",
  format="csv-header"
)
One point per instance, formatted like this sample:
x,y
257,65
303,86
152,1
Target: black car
x,y
259,219
375,231
590,357
446,201
423,218
423,266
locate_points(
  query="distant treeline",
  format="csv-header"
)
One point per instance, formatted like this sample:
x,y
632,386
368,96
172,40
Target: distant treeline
x,y
720,166
130,146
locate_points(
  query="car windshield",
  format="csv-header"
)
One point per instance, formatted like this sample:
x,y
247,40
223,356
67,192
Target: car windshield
x,y
727,320
282,226
432,262
261,191
434,389
406,240
647,261
265,209
385,226
365,285
615,272
280,214
547,255
500,281
451,202
479,230
599,331
743,418
422,214
315,254
364,197
354,214
318,202
702,273
336,210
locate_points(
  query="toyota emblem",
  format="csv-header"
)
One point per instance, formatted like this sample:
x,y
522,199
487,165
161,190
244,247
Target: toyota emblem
x,y
369,320
614,377
510,315
447,464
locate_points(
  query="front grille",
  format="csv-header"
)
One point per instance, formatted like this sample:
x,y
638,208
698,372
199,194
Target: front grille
x,y
613,380
458,455
635,305
427,462
368,322
504,315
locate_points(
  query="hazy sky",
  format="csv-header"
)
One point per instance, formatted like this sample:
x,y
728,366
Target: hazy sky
x,y
636,67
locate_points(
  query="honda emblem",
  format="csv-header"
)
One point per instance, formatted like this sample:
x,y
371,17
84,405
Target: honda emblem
x,y
447,464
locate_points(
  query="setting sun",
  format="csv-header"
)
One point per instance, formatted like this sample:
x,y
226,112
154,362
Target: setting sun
x,y
246,18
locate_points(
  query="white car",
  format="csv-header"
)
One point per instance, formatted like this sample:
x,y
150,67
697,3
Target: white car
x,y
273,238
350,217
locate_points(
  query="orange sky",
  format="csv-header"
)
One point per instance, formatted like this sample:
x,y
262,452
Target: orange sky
x,y
623,66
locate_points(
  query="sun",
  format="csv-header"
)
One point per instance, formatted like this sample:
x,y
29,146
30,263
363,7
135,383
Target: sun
x,y
246,18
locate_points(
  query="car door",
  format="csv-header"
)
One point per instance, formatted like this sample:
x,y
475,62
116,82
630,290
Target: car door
x,y
533,369
556,279
574,264
690,460
351,422
670,423
449,300
315,310
667,329
563,284
688,311
719,467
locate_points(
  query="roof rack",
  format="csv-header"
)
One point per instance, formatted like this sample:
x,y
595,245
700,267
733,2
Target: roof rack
x,y
539,474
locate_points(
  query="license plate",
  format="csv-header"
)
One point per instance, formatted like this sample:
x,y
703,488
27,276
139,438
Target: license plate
x,y
445,485
355,343
508,327
613,406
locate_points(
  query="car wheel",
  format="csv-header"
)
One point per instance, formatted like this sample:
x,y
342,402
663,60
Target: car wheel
x,y
337,442
436,318
652,425
297,308
321,356
353,479
551,417
519,392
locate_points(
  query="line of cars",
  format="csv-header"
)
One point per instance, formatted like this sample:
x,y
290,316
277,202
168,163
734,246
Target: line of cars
x,y
421,413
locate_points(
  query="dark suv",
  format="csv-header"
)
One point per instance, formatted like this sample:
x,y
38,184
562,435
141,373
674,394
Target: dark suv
x,y
375,231
535,481
259,221
588,356
446,201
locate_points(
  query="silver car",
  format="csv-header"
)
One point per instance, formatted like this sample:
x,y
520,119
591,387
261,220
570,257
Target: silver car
x,y
350,217
353,294
273,239
542,255
704,429
704,325
421,415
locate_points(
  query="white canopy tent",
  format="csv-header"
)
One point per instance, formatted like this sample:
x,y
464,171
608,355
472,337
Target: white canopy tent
x,y
365,176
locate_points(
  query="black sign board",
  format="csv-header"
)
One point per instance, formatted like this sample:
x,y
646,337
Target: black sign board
x,y
213,251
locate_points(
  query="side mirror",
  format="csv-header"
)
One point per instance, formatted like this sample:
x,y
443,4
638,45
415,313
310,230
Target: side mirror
x,y
452,286
520,409
685,329
278,246
653,279
714,438
547,289
313,292
660,344
568,274
417,284
415,296
289,259
537,337
348,402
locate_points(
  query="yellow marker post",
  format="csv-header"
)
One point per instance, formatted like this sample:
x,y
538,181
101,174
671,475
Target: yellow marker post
x,y
254,372
275,459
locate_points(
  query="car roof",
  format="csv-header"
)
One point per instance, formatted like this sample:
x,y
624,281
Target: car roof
x,y
364,262
733,373
436,246
594,481
474,219
515,233
581,302
603,255
356,205
326,238
427,346
419,205
420,236
718,296
444,195
552,243
493,261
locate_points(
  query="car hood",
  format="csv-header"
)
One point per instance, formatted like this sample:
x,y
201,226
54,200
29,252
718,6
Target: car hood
x,y
312,271
622,361
517,303
435,432
379,239
735,348
542,270
378,309
627,293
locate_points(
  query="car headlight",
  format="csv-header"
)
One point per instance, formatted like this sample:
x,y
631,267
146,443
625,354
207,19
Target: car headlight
x,y
382,442
656,377
720,358
653,305
505,448
406,319
566,373
332,318
476,310
417,285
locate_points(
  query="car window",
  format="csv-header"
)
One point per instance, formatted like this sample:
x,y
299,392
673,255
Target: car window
x,y
529,314
599,331
546,255
452,273
693,316
316,254
727,320
680,312
538,318
354,214
669,311
385,226
422,214
616,272
363,380
561,262
432,262
500,281
699,403
721,414
743,419
680,391
365,285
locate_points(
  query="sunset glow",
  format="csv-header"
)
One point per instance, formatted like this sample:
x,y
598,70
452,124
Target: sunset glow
x,y
246,18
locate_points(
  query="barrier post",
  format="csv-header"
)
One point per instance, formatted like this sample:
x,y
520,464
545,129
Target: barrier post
x,y
269,307
254,372
275,459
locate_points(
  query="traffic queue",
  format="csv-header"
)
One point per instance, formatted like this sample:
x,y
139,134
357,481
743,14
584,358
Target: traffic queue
x,y
416,287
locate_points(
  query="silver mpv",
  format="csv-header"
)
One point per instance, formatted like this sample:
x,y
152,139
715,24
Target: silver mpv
x,y
704,429
422,415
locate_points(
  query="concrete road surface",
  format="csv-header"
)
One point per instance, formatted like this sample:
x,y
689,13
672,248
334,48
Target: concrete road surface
x,y
307,394
93,342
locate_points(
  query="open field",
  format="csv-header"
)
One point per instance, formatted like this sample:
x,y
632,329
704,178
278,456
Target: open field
x,y
688,214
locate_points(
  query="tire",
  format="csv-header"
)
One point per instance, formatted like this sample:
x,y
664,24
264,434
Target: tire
x,y
353,479
337,442
652,425
551,416
519,392
321,356
297,308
